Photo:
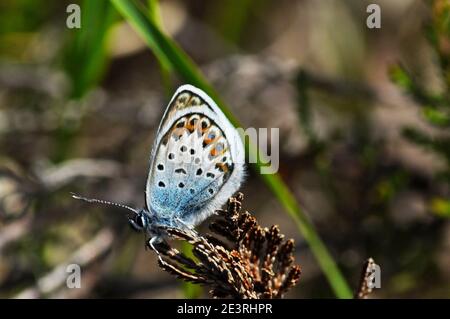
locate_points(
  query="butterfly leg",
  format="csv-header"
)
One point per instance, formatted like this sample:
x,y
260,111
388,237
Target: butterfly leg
x,y
151,243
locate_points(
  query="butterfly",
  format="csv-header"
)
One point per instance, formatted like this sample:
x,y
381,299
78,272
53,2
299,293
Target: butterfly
x,y
196,164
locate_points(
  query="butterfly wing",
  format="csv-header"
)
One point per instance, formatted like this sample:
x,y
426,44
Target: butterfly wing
x,y
197,160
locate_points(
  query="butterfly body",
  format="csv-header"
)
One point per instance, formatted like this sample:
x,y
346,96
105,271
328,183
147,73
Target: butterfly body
x,y
196,164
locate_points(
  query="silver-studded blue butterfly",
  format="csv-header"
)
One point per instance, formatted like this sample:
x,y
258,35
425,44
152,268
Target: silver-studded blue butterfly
x,y
196,164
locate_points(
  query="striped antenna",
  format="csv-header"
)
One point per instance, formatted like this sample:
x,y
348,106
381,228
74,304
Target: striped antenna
x,y
104,202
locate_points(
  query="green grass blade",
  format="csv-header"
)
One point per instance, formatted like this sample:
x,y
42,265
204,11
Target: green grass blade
x,y
165,68
85,60
154,12
169,52
86,56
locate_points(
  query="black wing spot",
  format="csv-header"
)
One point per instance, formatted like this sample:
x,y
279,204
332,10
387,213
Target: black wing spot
x,y
161,184
183,148
211,191
192,151
181,185
171,156
180,171
210,175
199,172
181,123
160,167
192,191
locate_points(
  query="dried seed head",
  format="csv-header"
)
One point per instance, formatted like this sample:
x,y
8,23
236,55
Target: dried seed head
x,y
260,265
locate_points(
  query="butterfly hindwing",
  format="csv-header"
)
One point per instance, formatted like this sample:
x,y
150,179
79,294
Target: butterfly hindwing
x,y
197,159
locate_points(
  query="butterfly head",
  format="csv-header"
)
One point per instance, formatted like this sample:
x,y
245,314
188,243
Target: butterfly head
x,y
140,220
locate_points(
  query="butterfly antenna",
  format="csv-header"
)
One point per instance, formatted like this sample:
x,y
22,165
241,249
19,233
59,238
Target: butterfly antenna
x,y
104,202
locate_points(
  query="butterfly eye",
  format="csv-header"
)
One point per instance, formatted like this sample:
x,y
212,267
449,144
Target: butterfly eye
x,y
141,221
138,221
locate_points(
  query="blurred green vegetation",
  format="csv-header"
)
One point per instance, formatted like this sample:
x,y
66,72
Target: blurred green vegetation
x,y
435,106
86,54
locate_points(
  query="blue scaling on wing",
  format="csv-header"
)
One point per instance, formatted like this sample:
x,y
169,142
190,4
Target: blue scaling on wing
x,y
191,165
